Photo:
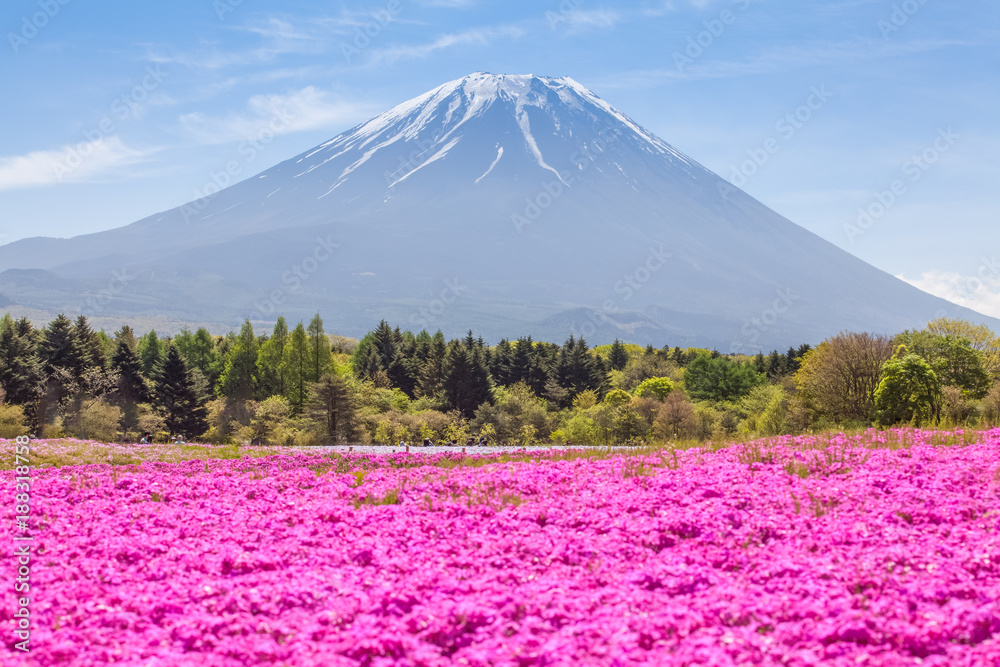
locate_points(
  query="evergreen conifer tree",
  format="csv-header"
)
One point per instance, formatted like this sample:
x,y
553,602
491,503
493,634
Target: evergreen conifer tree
x,y
297,367
320,352
177,398
618,358
239,378
271,362
466,378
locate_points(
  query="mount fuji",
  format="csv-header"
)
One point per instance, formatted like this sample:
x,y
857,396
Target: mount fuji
x,y
510,205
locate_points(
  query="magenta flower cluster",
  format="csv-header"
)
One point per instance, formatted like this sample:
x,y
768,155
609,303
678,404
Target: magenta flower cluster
x,y
763,554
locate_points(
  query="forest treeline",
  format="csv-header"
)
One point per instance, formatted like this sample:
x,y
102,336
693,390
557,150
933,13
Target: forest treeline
x,y
302,386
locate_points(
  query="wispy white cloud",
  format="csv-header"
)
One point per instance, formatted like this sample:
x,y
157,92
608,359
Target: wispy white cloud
x,y
475,36
85,161
585,19
304,109
981,294
772,60
278,36
664,7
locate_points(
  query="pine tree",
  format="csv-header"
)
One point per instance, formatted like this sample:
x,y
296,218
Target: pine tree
x,y
432,375
271,362
177,398
297,367
759,364
618,358
150,351
466,379
320,353
386,343
775,368
500,362
60,349
791,361
131,389
577,370
369,364
332,408
20,368
404,371
92,354
522,360
200,351
61,358
239,378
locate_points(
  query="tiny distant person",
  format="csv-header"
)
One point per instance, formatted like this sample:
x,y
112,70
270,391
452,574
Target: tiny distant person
x,y
428,443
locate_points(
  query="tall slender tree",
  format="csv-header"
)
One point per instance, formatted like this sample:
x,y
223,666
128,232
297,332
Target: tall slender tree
x,y
271,362
150,351
239,378
432,374
92,353
319,349
131,389
297,367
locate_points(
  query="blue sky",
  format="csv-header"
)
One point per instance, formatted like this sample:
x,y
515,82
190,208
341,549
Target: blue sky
x,y
822,110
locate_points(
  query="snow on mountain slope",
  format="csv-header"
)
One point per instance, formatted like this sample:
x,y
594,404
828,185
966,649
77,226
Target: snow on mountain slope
x,y
546,210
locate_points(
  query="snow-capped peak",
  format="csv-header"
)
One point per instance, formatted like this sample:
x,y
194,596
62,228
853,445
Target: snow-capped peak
x,y
538,120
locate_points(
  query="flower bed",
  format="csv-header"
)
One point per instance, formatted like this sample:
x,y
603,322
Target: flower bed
x,y
783,552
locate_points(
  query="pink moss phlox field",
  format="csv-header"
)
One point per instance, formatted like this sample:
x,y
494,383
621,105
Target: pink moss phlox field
x,y
770,553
